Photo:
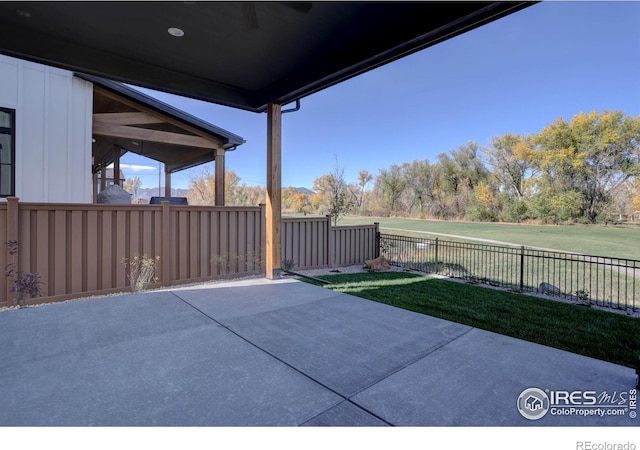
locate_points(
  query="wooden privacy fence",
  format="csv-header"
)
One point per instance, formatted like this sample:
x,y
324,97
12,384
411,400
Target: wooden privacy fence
x,y
78,249
312,243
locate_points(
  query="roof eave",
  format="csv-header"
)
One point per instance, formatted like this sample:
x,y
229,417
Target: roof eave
x,y
481,17
231,140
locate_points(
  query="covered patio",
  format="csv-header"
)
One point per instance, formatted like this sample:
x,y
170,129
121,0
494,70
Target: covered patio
x,y
256,56
126,120
261,352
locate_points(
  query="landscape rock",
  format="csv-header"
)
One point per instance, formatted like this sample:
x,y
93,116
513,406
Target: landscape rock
x,y
549,289
114,195
378,264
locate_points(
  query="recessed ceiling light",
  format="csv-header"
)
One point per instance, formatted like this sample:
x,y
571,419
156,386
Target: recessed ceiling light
x,y
177,32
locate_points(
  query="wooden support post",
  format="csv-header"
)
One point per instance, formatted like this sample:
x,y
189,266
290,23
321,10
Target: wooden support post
x,y
274,187
94,186
219,176
116,165
167,182
103,178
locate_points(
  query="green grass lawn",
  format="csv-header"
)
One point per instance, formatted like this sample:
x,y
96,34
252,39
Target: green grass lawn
x,y
612,241
598,334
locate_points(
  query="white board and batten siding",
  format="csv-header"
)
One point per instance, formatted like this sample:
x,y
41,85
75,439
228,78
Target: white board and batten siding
x,y
53,123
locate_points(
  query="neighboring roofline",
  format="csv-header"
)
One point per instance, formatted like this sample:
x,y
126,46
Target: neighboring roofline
x,y
231,140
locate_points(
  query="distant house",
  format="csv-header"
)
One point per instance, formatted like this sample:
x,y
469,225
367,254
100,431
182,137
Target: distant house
x,y
60,130
109,179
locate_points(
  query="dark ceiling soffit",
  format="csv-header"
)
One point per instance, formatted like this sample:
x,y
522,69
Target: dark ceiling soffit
x,y
481,17
24,44
230,140
38,47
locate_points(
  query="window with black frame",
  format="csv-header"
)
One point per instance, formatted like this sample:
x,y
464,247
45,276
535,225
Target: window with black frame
x,y
7,152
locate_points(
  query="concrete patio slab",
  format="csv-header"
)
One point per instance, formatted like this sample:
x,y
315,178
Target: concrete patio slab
x,y
143,360
476,380
222,301
346,414
346,343
279,353
35,333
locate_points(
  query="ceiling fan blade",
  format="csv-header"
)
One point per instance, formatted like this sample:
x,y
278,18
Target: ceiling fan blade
x,y
301,7
250,15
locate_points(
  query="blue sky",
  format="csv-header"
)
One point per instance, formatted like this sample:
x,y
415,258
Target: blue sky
x,y
515,75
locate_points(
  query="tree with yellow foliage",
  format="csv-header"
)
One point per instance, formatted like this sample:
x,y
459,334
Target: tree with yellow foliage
x,y
202,190
513,161
590,156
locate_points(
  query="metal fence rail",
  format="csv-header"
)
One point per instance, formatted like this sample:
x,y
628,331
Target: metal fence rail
x,y
585,279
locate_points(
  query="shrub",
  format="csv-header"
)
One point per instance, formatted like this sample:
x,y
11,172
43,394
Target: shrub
x,y
142,270
228,263
24,284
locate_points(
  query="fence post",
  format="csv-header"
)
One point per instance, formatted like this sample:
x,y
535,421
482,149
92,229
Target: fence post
x,y
13,225
436,271
166,256
522,267
376,251
330,244
12,219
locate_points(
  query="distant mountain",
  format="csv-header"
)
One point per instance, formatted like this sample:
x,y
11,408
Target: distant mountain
x,y
303,190
145,194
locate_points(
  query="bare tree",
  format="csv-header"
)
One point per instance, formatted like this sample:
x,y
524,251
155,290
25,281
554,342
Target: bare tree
x,y
332,195
358,190
132,185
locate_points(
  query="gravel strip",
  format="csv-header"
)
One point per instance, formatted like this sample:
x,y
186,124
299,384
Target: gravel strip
x,y
359,268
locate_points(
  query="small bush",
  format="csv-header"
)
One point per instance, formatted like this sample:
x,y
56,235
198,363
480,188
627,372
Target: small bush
x,y
228,263
24,284
582,295
142,270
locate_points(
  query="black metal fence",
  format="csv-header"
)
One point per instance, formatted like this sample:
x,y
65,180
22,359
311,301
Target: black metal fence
x,y
584,279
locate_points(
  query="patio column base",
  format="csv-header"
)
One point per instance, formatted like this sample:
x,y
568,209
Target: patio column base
x,y
276,274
